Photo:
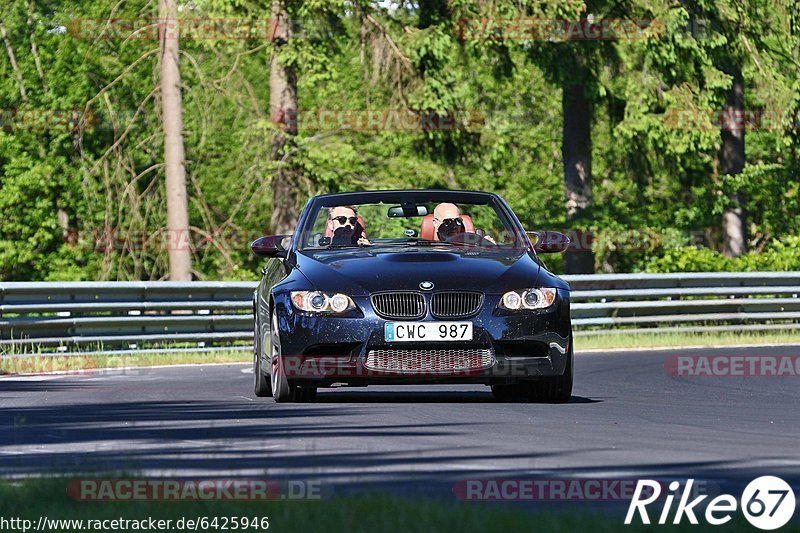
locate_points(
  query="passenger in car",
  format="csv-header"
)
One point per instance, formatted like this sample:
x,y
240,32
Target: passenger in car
x,y
448,221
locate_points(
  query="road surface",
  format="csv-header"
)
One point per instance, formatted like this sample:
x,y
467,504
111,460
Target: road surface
x,y
628,418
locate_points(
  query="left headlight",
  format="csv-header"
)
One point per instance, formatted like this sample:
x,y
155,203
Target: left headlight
x,y
540,298
322,302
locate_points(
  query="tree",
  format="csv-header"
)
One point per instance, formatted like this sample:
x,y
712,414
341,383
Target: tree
x,y
576,150
180,258
13,59
81,196
283,114
574,66
732,161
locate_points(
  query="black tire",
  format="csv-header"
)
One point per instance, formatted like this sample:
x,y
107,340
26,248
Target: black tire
x,y
556,389
282,389
261,386
508,393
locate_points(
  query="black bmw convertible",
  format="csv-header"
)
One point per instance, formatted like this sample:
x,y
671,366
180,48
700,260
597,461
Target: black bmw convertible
x,y
411,287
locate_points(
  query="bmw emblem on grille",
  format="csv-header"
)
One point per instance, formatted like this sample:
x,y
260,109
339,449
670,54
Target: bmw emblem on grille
x,y
426,285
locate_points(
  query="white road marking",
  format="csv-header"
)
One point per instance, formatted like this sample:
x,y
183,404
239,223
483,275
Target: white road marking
x,y
696,347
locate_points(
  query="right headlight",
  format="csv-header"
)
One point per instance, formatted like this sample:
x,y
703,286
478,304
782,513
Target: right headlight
x,y
540,298
321,302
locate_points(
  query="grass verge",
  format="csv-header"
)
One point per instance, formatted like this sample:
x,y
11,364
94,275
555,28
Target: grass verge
x,y
589,341
374,512
88,361
41,362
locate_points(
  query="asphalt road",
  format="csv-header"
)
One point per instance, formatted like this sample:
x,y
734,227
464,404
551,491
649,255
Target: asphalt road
x,y
628,418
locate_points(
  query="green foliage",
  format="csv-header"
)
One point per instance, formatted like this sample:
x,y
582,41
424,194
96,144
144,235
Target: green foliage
x,y
690,259
655,134
779,255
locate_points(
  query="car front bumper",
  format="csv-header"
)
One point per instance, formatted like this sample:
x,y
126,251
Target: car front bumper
x,y
324,350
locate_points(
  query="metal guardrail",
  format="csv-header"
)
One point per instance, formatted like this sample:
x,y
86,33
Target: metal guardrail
x,y
128,314
124,313
689,302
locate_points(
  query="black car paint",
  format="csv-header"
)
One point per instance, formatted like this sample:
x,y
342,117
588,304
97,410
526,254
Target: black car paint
x,y
542,335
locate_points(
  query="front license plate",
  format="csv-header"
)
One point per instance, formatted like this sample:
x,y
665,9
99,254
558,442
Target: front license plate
x,y
428,331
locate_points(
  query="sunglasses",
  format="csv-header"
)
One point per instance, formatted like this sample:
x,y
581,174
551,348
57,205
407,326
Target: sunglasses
x,y
343,220
452,222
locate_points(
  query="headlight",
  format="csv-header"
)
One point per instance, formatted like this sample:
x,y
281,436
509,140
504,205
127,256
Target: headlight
x,y
541,298
321,302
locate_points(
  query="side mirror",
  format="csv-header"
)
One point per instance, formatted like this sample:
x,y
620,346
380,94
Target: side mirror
x,y
271,245
548,242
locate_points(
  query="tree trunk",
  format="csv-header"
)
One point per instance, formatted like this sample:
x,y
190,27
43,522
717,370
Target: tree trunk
x,y
13,59
180,257
283,113
732,160
35,49
576,150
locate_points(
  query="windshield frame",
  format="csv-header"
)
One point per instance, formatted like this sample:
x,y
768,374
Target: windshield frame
x,y
418,196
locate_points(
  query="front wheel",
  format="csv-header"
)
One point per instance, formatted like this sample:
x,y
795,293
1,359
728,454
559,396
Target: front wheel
x,y
261,386
283,390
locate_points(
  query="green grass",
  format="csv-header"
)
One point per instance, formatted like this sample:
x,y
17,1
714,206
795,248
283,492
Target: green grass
x,y
373,512
588,341
87,361
37,361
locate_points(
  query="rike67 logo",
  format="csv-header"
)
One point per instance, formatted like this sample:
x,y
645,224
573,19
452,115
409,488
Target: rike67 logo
x,y
767,502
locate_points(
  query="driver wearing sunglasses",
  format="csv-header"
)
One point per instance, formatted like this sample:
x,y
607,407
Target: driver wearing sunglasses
x,y
343,224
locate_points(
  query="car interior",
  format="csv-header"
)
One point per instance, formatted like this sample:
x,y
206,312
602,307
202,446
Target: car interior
x,y
427,232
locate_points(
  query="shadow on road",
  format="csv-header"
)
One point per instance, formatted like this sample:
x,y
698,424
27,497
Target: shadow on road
x,y
124,432
427,397
202,424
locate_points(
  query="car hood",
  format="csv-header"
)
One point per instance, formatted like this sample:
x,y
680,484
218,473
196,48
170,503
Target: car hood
x,y
365,271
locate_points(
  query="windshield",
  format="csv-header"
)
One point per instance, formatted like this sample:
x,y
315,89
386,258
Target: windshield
x,y
442,224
